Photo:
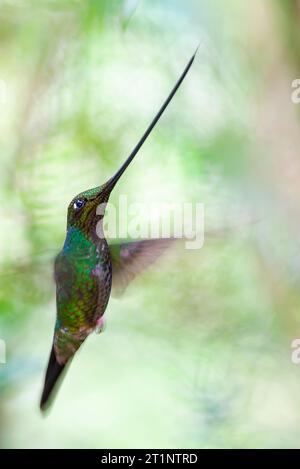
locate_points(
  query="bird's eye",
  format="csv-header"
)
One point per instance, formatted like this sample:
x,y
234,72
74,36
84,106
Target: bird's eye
x,y
78,204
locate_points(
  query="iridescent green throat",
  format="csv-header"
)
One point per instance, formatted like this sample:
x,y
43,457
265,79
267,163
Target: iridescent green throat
x,y
77,244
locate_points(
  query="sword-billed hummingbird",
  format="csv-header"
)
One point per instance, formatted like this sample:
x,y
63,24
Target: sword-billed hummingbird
x,y
87,267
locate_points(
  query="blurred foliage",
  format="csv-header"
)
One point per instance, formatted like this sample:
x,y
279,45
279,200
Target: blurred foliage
x,y
290,12
197,354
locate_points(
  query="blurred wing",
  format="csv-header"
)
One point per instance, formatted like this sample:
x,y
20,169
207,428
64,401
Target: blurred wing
x,y
130,258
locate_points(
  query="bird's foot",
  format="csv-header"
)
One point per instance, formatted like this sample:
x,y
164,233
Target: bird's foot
x,y
100,325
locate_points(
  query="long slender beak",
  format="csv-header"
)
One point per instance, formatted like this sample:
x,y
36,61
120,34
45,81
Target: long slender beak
x,y
112,182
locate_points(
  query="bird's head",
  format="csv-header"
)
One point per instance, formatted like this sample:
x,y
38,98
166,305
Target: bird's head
x,y
88,207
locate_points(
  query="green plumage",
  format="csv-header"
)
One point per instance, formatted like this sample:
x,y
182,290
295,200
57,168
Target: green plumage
x,y
83,276
83,279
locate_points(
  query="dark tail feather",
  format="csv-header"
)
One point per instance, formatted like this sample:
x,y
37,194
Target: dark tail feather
x,y
53,372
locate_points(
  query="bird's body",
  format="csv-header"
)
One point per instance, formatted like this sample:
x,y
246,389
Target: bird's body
x,y
87,267
83,275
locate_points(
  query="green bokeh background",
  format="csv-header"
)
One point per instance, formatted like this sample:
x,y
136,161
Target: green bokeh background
x,y
198,352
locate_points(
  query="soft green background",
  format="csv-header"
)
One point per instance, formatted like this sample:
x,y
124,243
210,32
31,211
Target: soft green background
x,y
198,352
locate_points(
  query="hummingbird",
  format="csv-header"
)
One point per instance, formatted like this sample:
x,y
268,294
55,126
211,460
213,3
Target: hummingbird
x,y
87,267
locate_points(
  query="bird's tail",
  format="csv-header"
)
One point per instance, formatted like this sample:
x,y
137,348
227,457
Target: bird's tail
x,y
53,372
